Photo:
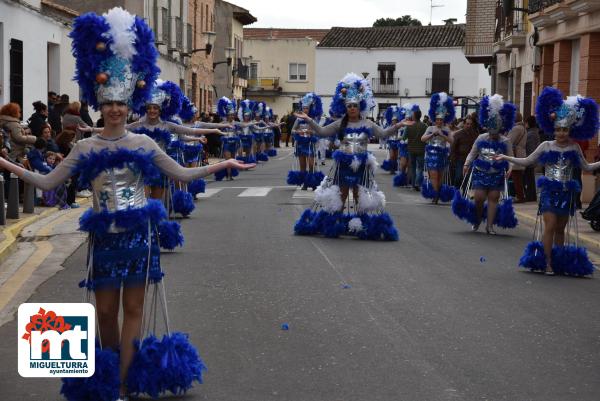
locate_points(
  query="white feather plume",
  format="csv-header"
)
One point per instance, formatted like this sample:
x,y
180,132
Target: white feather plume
x,y
121,32
355,165
355,225
370,200
372,162
330,198
443,97
572,101
496,104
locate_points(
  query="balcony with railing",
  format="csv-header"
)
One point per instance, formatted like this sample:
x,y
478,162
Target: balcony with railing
x,y
439,85
264,85
511,25
387,86
550,12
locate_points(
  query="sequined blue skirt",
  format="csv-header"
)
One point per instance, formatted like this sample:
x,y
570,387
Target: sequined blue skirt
x,y
561,203
121,259
436,157
487,181
402,149
246,141
259,137
192,152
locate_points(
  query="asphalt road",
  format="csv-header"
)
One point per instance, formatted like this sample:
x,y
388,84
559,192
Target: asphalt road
x,y
443,314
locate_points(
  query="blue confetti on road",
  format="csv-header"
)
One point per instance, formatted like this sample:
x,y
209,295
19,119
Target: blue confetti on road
x,y
346,286
285,326
482,259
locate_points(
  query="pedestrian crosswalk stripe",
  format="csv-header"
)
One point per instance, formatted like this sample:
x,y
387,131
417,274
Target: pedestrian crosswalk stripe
x,y
300,194
209,192
256,191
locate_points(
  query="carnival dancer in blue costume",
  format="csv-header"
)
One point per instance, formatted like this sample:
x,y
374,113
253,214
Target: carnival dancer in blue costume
x,y
268,133
573,118
393,115
258,130
165,103
488,177
304,172
246,134
354,169
438,138
115,68
230,141
401,178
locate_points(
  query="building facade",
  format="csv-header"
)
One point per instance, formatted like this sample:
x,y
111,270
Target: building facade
x,y
403,64
282,65
230,65
200,75
35,61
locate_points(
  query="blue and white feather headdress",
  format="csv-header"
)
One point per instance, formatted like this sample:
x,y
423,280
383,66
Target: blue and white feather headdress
x,y
226,106
410,109
188,109
115,58
353,89
314,104
578,113
268,113
496,115
394,112
168,96
245,108
441,106
258,108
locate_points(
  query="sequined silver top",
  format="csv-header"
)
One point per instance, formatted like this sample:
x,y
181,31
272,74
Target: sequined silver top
x,y
487,153
437,140
561,169
115,189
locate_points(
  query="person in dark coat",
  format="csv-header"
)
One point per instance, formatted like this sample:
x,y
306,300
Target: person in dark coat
x,y
55,117
38,118
85,114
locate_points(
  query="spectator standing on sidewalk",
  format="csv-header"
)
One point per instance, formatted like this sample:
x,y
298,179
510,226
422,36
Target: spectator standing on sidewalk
x,y
72,120
518,138
38,118
416,149
460,148
19,136
55,116
289,123
533,141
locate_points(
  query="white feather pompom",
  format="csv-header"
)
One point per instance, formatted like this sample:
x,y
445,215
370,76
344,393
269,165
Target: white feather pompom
x,y
370,200
355,225
496,104
355,165
330,198
443,97
372,162
337,143
121,32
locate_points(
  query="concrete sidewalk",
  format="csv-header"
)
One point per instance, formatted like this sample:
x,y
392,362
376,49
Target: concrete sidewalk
x,y
527,213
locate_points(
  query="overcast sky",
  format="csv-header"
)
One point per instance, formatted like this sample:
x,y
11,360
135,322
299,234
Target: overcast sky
x,y
328,13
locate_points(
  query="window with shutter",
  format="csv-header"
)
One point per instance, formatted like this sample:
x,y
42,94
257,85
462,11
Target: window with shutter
x,y
440,77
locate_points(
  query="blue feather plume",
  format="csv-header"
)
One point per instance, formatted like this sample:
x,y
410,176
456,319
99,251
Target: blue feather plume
x,y
448,105
313,180
262,157
272,152
547,103
170,364
389,165
333,225
427,190
196,187
172,105
587,126
219,175
446,193
295,177
505,214
571,260
103,385
129,219
509,116
464,208
305,224
400,179
183,203
170,235
144,62
534,258
188,110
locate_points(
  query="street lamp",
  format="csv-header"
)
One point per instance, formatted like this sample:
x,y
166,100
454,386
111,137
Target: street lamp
x,y
210,41
229,52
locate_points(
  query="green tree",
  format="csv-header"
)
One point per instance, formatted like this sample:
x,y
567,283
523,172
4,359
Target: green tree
x,y
405,20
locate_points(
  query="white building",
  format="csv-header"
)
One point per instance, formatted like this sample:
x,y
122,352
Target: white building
x,y
282,65
403,64
35,53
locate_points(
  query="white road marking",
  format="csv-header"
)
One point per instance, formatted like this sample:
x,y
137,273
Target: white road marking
x,y
255,192
209,192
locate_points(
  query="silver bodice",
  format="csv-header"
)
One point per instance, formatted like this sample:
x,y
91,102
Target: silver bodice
x,y
561,171
118,189
437,140
354,143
